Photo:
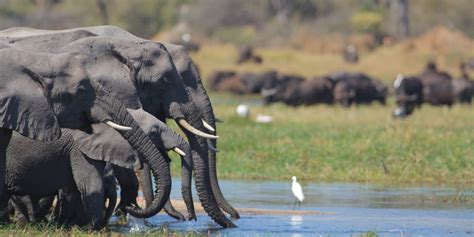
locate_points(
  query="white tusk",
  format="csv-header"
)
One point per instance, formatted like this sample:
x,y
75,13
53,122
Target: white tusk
x,y
193,130
212,148
117,126
179,151
209,127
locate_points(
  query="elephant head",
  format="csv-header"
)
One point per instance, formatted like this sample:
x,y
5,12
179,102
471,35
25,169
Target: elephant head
x,y
189,115
77,102
123,156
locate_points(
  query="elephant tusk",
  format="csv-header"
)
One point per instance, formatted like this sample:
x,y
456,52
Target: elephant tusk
x,y
212,148
195,131
179,151
206,125
118,126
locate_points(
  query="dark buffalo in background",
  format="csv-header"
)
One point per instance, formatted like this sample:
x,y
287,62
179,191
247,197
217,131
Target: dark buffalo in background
x,y
242,83
217,77
436,89
246,54
298,92
408,95
437,86
463,87
357,88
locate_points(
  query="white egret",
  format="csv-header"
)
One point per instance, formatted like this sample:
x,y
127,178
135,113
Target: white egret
x,y
297,192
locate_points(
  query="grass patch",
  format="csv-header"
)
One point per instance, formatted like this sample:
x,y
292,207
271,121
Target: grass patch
x,y
333,144
46,229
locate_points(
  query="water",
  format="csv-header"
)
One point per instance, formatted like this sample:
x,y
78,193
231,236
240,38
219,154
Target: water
x,y
347,209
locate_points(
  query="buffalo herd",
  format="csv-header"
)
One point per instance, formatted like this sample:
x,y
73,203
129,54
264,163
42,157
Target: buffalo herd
x,y
345,88
431,86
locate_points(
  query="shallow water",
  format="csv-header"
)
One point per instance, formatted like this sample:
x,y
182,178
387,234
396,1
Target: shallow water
x,y
348,209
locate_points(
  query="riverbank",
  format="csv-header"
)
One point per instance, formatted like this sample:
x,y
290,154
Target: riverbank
x,y
334,144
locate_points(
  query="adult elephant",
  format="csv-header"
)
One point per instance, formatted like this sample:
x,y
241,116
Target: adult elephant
x,y
77,103
204,164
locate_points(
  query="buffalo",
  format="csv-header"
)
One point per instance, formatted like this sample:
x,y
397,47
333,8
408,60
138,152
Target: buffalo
x,y
463,87
246,54
296,91
242,83
431,86
357,88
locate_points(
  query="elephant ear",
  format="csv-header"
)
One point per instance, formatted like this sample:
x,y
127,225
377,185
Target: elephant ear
x,y
106,144
24,104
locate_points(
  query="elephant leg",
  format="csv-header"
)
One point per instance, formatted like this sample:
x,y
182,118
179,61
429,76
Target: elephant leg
x,y
88,176
44,205
5,136
69,210
110,193
21,210
128,183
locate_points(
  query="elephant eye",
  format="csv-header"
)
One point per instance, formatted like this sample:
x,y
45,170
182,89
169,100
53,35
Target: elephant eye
x,y
148,63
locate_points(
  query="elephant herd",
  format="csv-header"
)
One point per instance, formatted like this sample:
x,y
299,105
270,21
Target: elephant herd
x,y
82,109
345,88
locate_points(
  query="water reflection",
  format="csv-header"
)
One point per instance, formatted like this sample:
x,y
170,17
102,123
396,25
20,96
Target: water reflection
x,y
296,221
349,209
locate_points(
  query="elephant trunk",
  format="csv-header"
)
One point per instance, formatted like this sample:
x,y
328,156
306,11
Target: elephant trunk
x,y
146,150
202,100
201,174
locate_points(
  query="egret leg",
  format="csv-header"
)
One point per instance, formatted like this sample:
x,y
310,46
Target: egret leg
x,y
294,205
299,205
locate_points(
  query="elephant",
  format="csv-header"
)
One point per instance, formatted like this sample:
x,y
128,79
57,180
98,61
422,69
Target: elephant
x,y
44,168
76,102
69,209
203,159
108,53
163,138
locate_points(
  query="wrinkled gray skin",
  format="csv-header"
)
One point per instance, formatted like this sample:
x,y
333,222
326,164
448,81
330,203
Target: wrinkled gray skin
x,y
114,71
205,166
29,209
46,167
77,102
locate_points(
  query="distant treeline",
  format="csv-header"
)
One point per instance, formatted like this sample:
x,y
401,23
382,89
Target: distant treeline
x,y
243,21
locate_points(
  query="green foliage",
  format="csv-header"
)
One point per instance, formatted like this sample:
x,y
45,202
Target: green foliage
x,y
237,35
367,22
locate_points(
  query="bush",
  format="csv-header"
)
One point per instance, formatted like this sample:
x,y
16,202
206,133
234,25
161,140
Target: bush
x,y
367,22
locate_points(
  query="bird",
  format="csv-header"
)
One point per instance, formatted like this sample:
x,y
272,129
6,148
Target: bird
x,y
297,192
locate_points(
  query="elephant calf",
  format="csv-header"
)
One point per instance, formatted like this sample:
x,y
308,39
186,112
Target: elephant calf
x,y
42,168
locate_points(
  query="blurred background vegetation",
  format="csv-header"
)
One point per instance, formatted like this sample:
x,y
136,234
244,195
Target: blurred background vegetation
x,y
277,22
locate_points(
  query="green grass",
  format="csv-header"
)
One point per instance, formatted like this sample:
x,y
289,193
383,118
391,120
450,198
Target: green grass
x,y
45,229
334,144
